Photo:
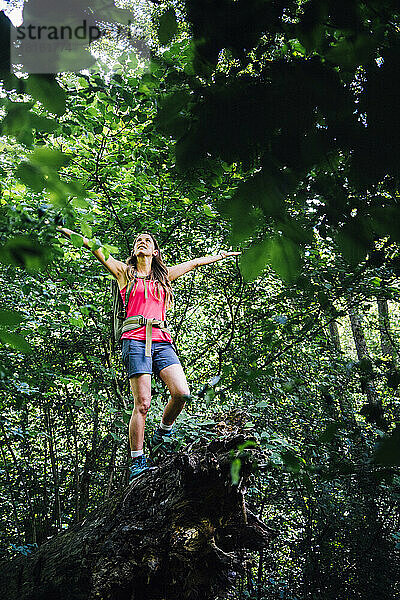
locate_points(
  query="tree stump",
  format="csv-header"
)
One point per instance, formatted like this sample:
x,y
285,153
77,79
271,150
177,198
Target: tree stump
x,y
177,531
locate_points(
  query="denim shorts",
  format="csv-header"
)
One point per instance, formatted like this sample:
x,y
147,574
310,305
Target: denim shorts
x,y
135,362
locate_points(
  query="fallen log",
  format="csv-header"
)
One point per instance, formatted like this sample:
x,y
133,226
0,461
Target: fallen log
x,y
178,531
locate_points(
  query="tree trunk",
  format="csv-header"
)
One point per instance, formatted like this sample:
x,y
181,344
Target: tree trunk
x,y
54,466
384,329
177,531
88,467
362,353
334,334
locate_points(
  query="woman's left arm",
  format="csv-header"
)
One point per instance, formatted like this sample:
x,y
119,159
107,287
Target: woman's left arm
x,y
189,265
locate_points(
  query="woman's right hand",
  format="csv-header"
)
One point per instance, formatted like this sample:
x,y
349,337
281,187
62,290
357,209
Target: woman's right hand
x,y
116,267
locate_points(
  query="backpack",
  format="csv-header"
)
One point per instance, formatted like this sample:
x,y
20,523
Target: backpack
x,y
118,311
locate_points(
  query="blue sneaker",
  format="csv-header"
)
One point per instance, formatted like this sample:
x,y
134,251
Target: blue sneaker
x,y
138,466
162,442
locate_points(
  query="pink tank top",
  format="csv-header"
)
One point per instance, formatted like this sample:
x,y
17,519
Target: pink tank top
x,y
150,307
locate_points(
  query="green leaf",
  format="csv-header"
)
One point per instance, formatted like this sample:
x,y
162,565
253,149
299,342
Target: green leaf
x,y
94,244
281,253
80,203
31,176
86,229
46,157
26,252
147,83
10,318
77,322
109,248
60,191
16,341
384,219
167,27
305,478
295,232
247,444
365,367
284,258
245,219
288,386
235,470
208,211
126,415
263,195
209,396
43,123
291,461
297,47
329,433
350,53
17,121
169,118
133,62
388,452
311,27
354,240
46,89
393,379
77,240
254,260
83,83
262,404
266,189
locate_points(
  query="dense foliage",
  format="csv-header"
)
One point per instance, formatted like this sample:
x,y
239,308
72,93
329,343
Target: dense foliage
x,y
268,125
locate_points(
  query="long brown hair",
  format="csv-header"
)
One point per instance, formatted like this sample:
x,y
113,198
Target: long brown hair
x,y
158,273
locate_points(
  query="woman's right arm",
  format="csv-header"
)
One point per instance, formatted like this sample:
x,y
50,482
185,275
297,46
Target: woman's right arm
x,y
114,266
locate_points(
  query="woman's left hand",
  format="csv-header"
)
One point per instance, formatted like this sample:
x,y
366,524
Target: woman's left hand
x,y
224,253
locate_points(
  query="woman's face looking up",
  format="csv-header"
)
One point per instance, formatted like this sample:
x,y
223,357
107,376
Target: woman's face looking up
x,y
144,245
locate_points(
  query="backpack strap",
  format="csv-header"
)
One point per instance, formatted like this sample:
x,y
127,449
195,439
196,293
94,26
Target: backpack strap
x,y
129,287
136,321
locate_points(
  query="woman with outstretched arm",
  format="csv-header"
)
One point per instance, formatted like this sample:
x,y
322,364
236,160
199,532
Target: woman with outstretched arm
x,y
146,343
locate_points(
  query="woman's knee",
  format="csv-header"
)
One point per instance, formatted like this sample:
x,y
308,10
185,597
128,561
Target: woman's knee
x,y
181,396
141,390
142,404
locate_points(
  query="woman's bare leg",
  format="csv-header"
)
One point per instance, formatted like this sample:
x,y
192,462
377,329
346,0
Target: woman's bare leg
x,y
141,389
175,380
